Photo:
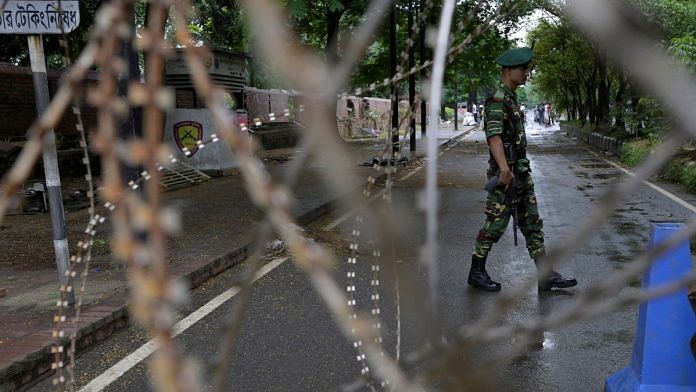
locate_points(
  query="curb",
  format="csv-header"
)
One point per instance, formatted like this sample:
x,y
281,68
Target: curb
x,y
31,358
605,143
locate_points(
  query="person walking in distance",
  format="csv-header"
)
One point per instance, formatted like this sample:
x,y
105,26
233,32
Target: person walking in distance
x,y
502,122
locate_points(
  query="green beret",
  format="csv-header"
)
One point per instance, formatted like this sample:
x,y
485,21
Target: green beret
x,y
515,57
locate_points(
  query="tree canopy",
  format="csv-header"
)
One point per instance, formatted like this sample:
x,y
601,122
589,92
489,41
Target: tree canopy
x,y
574,74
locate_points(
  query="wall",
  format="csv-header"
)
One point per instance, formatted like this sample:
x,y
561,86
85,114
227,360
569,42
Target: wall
x,y
260,103
18,111
17,107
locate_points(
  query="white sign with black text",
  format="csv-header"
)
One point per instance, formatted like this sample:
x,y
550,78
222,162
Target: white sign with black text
x,y
39,16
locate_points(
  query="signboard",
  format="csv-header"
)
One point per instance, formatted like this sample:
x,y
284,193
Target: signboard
x,y
39,16
219,62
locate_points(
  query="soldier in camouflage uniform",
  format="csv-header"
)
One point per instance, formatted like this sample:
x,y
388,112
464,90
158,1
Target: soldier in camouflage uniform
x,y
503,122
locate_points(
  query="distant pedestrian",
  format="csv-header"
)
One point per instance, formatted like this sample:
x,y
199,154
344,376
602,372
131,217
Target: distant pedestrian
x,y
552,115
523,112
508,161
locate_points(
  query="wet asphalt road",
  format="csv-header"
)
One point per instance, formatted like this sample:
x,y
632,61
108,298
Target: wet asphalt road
x,y
290,343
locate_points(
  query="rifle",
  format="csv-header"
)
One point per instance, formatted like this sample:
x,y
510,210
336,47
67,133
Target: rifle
x,y
511,193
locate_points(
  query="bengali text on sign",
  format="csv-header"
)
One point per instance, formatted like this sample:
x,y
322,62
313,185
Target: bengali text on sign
x,y
39,17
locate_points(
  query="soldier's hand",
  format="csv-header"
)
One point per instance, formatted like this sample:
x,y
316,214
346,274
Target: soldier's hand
x,y
505,178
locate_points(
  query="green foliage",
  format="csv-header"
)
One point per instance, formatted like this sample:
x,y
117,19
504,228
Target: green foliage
x,y
684,50
220,23
646,118
672,172
634,153
565,62
688,176
673,18
681,171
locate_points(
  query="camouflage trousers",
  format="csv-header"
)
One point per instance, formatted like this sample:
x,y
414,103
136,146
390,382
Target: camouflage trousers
x,y
498,217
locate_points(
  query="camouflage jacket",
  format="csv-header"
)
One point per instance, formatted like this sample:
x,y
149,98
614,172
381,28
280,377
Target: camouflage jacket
x,y
501,116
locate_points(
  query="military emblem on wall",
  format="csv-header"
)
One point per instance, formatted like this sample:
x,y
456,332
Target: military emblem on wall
x,y
187,134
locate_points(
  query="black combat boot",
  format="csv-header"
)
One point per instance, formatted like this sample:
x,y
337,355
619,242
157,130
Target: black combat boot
x,y
556,280
478,277
553,279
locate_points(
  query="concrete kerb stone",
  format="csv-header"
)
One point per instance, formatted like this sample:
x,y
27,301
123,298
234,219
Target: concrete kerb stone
x,y
100,322
605,143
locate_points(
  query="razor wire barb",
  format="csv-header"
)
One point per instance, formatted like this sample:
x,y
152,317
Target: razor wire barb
x,y
141,223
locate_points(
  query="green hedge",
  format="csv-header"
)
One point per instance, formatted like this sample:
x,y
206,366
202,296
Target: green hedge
x,y
633,153
688,176
680,171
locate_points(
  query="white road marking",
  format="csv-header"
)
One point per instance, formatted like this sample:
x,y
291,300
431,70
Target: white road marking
x,y
347,215
416,170
119,369
408,175
662,191
411,173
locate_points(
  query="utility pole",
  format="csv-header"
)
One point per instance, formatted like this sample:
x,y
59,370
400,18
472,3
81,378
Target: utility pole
x,y
421,59
411,81
50,163
131,127
394,90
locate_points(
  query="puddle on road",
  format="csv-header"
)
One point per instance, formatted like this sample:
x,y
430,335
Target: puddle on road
x,y
630,209
605,176
596,165
635,283
619,258
621,336
631,228
594,340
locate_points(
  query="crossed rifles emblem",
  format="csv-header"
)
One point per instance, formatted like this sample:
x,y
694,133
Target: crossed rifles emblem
x,y
187,134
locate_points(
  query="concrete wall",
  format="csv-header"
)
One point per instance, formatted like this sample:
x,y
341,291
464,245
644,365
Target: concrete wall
x,y
215,157
17,107
260,103
354,113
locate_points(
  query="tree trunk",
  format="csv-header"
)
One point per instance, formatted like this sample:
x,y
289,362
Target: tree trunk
x,y
579,105
394,94
471,104
590,99
619,104
421,61
333,19
603,93
411,82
